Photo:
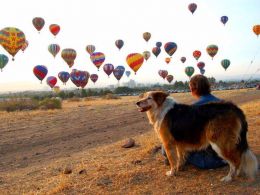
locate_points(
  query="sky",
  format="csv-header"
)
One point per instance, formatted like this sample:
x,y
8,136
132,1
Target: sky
x,y
102,22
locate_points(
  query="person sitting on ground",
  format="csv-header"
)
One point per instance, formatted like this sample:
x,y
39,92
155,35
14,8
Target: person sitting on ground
x,y
208,158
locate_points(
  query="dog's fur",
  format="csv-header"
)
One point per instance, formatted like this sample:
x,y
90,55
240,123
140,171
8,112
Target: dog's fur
x,y
183,128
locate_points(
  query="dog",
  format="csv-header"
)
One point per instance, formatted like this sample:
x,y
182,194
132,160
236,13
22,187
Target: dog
x,y
183,128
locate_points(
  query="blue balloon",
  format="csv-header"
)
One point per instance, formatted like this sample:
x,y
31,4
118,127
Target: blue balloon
x,y
64,76
202,71
127,73
224,19
170,48
158,44
119,72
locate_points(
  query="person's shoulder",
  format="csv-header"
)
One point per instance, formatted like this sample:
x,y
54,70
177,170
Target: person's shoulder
x,y
206,99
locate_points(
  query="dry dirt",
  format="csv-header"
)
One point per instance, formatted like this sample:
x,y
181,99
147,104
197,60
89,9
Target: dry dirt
x,y
85,136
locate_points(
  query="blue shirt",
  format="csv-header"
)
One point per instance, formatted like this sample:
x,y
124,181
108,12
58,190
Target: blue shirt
x,y
206,99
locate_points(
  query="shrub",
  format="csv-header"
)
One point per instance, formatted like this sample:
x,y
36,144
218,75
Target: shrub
x,y
52,103
74,99
110,96
18,105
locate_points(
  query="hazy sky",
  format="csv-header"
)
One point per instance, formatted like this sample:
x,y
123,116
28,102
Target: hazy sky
x,y
102,22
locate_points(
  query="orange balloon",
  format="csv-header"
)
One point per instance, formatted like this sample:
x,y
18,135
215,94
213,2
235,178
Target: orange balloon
x,y
135,61
256,29
167,60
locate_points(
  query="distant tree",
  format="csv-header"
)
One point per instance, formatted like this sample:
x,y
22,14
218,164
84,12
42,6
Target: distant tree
x,y
71,94
123,90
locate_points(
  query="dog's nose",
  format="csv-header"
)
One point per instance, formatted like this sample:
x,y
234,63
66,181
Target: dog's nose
x,y
137,103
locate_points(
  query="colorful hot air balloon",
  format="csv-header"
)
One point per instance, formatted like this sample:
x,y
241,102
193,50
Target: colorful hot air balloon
x,y
3,61
12,40
158,44
169,78
202,71
196,54
108,69
156,51
189,70
119,43
170,48
192,7
201,65
69,55
183,59
54,49
163,73
225,63
54,29
85,78
51,81
146,55
167,60
146,36
64,76
97,58
40,72
135,61
38,23
127,73
212,50
90,49
224,19
94,78
77,76
119,72
256,29
25,45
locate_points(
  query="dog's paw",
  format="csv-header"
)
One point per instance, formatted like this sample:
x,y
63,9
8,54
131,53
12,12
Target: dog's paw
x,y
227,178
171,173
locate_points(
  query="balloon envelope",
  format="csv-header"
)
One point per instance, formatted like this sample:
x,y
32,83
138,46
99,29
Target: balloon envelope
x,y
158,44
38,23
201,65
64,76
94,78
119,43
3,61
167,60
128,73
146,36
256,29
119,72
225,63
192,7
40,71
183,59
51,81
90,49
212,50
224,19
135,61
163,73
156,51
54,49
169,78
108,68
69,55
25,45
97,58
170,48
189,71
196,54
54,29
146,55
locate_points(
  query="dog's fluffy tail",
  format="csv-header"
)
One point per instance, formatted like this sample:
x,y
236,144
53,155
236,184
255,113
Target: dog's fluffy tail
x,y
249,164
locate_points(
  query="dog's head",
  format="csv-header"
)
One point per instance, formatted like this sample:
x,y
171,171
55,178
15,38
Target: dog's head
x,y
151,100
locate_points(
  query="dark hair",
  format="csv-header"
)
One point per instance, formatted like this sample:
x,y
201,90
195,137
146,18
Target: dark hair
x,y
199,85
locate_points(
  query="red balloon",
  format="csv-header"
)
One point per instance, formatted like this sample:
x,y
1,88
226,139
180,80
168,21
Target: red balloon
x,y
163,73
94,78
196,54
55,29
51,81
201,65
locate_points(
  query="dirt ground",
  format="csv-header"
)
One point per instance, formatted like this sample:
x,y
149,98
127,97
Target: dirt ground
x,y
36,146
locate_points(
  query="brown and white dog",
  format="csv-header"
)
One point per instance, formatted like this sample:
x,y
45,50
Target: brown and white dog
x,y
183,128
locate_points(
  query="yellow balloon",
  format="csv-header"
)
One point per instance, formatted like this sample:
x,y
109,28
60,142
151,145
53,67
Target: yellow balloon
x,y
135,61
12,39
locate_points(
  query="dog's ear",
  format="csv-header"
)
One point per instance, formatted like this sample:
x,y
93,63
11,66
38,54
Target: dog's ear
x,y
159,97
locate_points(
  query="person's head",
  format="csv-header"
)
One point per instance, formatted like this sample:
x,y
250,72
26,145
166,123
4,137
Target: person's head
x,y
199,85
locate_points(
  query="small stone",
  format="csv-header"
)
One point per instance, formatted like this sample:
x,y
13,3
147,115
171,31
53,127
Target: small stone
x,y
67,170
83,171
104,181
129,143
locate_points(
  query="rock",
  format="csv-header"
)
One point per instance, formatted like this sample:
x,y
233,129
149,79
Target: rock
x,y
129,143
67,170
83,171
104,181
156,149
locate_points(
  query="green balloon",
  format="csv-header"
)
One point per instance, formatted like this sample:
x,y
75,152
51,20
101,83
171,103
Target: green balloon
x,y
189,70
3,61
225,63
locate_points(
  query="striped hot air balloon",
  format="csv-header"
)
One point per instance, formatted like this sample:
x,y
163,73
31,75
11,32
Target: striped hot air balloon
x,y
108,69
97,59
212,50
135,61
170,48
225,63
189,70
69,55
40,71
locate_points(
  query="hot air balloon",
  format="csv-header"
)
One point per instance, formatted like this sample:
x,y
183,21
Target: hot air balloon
x,y
69,55
146,55
183,59
189,70
170,48
38,23
119,43
108,69
224,19
90,49
54,49
77,76
97,58
158,44
51,81
94,78
167,60
256,29
146,36
56,89
196,54
202,71
225,63
85,78
192,7
201,65
64,76
3,61
25,45
40,72
119,72
135,61
54,29
128,73
163,73
212,50
12,40
169,78
156,51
